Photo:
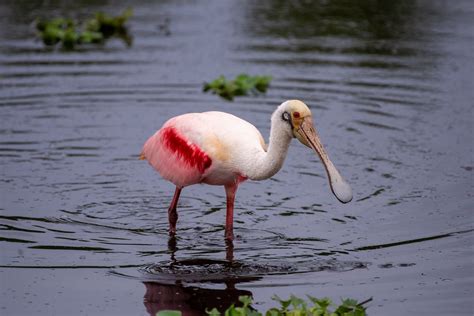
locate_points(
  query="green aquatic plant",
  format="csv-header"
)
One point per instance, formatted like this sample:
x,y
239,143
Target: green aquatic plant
x,y
320,307
94,31
295,306
245,310
243,84
110,26
168,313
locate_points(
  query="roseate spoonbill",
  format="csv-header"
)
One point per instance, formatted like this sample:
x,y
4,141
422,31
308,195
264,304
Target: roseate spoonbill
x,y
221,149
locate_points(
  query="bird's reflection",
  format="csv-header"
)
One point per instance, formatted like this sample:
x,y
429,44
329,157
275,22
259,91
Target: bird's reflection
x,y
174,291
190,300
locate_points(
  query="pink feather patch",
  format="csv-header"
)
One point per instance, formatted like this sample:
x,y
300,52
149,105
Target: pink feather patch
x,y
191,154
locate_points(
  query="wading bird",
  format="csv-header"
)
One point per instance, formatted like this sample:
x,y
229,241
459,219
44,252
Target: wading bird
x,y
221,149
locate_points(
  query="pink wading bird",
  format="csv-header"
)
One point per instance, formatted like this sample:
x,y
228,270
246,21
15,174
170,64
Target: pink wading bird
x,y
221,149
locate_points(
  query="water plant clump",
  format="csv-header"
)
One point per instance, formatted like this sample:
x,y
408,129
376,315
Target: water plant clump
x,y
294,306
96,30
243,84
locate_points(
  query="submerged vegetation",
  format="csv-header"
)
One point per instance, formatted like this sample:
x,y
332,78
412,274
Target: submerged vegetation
x,y
294,306
243,84
96,30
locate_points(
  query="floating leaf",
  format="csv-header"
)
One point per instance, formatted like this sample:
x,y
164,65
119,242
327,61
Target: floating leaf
x,y
274,312
70,38
243,84
88,37
213,312
323,303
246,300
299,307
93,31
284,303
168,313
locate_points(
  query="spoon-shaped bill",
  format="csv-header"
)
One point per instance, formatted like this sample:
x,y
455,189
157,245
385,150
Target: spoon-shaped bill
x,y
307,134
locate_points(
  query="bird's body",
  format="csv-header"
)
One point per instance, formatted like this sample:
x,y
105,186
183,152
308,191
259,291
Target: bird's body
x,y
187,150
218,148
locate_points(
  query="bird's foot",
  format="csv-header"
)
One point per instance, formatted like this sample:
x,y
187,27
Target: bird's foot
x,y
172,220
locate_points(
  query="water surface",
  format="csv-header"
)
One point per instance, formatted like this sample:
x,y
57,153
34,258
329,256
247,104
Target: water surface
x,y
83,226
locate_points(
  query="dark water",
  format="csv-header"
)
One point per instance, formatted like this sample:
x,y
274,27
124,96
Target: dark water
x,y
83,221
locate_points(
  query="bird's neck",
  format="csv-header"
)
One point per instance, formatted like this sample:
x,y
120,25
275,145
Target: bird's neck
x,y
271,161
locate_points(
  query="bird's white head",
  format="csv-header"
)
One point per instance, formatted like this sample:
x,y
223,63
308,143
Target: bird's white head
x,y
297,117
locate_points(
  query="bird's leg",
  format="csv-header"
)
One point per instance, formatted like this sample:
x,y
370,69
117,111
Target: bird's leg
x,y
229,221
229,250
172,214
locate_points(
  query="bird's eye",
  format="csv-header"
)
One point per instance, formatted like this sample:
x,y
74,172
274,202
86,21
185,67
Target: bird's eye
x,y
285,116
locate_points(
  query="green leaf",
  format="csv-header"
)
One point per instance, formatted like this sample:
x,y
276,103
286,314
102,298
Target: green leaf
x,y
284,303
297,302
70,38
262,83
323,303
274,312
52,35
168,313
251,312
348,307
95,30
213,312
349,302
89,37
242,84
246,300
230,311
92,25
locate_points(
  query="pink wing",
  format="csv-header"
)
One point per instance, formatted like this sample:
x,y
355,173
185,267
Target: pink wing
x,y
175,157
